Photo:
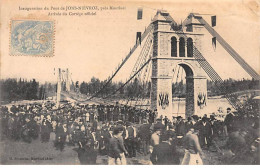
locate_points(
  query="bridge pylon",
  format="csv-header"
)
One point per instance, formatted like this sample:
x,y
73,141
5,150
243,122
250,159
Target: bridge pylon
x,y
174,46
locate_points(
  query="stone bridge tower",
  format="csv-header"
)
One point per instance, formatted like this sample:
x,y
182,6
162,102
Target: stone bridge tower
x,y
174,46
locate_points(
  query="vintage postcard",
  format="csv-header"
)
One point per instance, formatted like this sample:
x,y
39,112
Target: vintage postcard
x,y
125,82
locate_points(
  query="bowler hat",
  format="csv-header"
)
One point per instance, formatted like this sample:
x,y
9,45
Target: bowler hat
x,y
179,117
158,126
128,123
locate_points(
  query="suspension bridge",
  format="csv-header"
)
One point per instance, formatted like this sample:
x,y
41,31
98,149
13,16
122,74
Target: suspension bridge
x,y
168,52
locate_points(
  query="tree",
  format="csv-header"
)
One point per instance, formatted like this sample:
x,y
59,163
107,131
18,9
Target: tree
x,y
11,89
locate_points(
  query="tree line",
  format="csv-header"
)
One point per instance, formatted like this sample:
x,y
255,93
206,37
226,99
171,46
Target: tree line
x,y
136,88
22,89
132,90
11,89
219,88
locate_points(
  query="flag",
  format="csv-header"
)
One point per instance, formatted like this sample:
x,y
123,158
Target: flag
x,y
214,40
213,21
138,37
139,14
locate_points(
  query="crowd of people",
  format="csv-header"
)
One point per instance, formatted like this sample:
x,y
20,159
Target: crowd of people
x,y
122,131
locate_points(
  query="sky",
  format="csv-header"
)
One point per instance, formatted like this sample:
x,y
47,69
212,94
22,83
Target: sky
x,y
94,45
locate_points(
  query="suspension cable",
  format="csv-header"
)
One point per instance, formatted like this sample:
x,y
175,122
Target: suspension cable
x,y
149,28
129,79
210,72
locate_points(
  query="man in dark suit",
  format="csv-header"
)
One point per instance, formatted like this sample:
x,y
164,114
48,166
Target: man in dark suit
x,y
188,124
144,134
25,131
131,113
60,137
99,139
130,139
166,121
180,127
237,144
87,155
116,112
33,129
107,135
95,125
117,151
164,153
17,125
204,133
195,121
229,119
214,126
45,131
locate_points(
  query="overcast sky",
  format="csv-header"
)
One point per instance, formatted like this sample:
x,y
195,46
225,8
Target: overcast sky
x,y
94,46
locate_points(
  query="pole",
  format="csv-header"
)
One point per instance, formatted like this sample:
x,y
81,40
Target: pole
x,y
58,88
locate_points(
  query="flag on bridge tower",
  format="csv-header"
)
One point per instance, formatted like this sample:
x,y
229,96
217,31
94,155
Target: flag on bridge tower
x,y
138,37
214,41
139,13
213,21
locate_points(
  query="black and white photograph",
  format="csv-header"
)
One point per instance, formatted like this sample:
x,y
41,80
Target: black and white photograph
x,y
126,82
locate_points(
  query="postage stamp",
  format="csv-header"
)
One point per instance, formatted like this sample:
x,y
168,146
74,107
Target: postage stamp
x,y
32,38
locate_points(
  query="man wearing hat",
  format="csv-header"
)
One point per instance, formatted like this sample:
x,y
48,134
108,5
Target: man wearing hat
x,y
188,124
237,144
214,125
204,133
123,113
34,129
116,113
117,151
164,153
25,131
103,132
45,131
95,124
144,134
99,139
107,135
195,121
131,113
60,137
166,121
16,127
87,155
155,114
130,139
158,123
193,150
180,127
155,138
109,113
228,121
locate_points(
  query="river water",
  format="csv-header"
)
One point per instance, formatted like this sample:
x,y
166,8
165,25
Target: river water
x,y
178,106
213,105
